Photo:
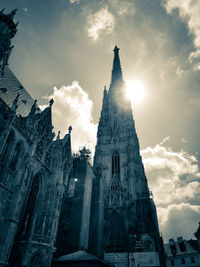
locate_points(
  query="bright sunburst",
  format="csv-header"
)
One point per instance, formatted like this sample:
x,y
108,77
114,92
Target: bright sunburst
x,y
135,91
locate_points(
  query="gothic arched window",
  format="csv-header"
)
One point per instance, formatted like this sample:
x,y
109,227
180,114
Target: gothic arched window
x,y
30,206
7,147
36,260
115,163
16,156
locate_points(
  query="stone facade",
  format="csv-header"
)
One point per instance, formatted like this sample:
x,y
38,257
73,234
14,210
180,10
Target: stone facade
x,y
33,170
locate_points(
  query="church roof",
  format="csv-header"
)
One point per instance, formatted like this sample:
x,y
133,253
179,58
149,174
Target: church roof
x,y
10,86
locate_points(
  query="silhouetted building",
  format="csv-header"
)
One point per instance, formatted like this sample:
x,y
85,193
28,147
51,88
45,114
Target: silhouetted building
x,y
183,253
124,226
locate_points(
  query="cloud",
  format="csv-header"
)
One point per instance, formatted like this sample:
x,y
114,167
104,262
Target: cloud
x,y
72,106
174,178
25,9
190,12
74,1
179,220
101,22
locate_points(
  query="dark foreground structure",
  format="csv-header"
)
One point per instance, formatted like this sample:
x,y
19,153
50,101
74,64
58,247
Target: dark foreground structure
x,y
56,208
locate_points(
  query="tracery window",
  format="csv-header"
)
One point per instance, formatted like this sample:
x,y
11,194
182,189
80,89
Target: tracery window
x,y
36,260
115,163
30,206
16,156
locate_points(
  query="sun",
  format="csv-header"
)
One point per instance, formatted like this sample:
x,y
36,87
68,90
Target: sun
x,y
135,91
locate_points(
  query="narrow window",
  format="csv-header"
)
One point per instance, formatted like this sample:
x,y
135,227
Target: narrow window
x,y
172,262
30,206
183,261
16,156
192,260
115,163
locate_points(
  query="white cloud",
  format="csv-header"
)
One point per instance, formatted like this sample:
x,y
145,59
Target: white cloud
x,y
101,22
25,9
72,106
174,178
74,1
124,7
190,11
178,220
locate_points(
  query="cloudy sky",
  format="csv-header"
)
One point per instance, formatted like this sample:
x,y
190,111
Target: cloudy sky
x,y
63,49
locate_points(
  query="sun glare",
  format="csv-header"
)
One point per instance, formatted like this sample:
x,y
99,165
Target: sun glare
x,y
135,91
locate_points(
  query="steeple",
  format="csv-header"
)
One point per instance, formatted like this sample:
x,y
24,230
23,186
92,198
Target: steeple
x,y
122,207
116,70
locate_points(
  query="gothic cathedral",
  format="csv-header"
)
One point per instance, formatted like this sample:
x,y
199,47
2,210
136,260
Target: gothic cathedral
x,y
57,209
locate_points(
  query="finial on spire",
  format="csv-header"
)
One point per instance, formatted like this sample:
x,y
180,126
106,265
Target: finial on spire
x,y
34,107
58,136
51,101
70,129
116,71
13,12
116,49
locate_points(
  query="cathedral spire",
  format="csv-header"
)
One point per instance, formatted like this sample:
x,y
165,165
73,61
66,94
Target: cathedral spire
x,y
116,70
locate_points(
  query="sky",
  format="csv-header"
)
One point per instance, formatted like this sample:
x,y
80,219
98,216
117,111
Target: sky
x,y
63,49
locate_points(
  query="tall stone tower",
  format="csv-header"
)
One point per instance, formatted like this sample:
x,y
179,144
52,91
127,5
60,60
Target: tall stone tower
x,y
125,220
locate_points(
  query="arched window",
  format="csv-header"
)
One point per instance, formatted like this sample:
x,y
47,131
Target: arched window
x,y
7,147
30,206
37,260
115,163
16,156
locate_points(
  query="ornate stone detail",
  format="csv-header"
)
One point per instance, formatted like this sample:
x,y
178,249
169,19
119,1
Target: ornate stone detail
x,y
115,195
